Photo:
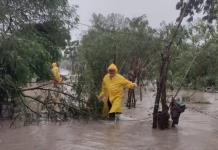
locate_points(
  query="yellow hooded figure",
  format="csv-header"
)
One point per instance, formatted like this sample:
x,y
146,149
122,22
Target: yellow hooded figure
x,y
112,92
56,73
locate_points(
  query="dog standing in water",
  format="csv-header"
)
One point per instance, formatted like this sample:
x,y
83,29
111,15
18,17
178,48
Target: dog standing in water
x,y
175,110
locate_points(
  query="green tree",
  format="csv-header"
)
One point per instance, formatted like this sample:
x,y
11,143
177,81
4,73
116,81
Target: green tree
x,y
32,33
208,7
120,40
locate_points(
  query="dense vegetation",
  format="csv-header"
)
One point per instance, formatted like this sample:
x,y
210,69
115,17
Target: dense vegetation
x,y
109,41
33,33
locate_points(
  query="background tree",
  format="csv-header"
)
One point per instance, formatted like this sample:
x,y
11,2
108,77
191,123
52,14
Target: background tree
x,y
118,39
188,8
209,8
32,33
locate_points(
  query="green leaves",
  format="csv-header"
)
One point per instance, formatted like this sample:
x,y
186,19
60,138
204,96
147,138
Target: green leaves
x,y
209,9
29,53
118,39
15,13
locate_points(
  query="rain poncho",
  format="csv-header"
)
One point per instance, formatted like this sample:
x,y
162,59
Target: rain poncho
x,y
113,90
57,79
56,73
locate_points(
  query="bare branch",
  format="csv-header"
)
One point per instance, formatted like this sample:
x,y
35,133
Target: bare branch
x,y
38,114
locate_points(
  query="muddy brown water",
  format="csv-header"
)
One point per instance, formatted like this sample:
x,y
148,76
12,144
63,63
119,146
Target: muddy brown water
x,y
196,131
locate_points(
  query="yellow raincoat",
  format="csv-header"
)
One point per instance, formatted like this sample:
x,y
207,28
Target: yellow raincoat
x,y
56,73
113,90
57,79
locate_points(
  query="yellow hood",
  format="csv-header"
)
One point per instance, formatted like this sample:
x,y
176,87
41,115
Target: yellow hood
x,y
112,67
54,65
113,90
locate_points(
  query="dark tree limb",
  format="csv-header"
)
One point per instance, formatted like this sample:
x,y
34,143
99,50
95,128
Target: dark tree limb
x,y
165,62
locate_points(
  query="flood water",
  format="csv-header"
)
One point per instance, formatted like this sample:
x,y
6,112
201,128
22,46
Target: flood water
x,y
197,130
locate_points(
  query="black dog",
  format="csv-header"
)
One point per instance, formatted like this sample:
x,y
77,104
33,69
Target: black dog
x,y
175,110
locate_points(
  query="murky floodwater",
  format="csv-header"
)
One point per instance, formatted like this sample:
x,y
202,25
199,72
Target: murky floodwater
x,y
202,102
196,131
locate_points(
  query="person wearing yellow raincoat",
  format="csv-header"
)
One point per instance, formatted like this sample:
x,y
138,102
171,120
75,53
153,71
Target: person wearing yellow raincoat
x,y
57,79
56,74
112,91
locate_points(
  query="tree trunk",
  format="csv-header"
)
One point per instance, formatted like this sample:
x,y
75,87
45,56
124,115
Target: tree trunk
x,y
156,106
161,83
161,90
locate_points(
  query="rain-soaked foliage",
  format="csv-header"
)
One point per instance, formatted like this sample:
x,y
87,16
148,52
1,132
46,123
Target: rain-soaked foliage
x,y
32,38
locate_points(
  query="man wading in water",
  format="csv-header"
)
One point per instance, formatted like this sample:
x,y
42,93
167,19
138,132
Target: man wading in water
x,y
112,92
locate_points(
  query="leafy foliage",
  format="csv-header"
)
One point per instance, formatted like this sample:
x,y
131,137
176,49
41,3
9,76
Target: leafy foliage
x,y
208,7
32,33
15,13
115,39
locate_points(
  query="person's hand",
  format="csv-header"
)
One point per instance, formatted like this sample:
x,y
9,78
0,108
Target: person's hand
x,y
135,85
102,98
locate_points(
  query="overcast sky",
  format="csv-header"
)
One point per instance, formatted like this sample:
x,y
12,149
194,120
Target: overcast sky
x,y
155,10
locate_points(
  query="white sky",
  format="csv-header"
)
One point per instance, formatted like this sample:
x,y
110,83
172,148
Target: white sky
x,y
155,10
